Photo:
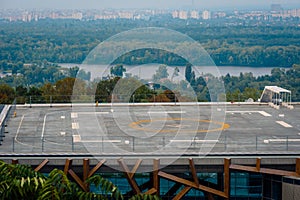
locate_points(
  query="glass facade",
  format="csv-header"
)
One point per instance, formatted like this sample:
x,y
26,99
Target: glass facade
x,y
243,186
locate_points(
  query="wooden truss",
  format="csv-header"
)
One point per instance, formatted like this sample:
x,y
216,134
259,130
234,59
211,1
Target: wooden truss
x,y
153,185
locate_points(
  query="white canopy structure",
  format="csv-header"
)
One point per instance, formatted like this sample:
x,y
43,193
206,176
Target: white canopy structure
x,y
276,95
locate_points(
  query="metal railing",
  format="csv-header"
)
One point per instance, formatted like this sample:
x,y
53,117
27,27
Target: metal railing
x,y
155,144
6,113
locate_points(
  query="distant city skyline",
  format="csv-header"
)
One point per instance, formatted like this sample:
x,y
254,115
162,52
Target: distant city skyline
x,y
163,4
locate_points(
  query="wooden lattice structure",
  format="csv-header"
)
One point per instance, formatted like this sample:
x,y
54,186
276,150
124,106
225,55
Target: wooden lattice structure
x,y
157,174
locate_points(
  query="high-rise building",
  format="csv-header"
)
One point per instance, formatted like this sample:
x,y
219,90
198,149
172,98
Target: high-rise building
x,y
175,14
183,14
206,14
194,14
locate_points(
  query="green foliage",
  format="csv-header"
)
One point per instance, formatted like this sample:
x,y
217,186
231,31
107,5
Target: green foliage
x,y
22,182
70,41
73,71
105,88
145,197
117,70
188,72
7,94
19,182
106,186
58,186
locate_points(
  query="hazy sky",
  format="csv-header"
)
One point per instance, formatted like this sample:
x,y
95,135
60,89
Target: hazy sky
x,y
216,4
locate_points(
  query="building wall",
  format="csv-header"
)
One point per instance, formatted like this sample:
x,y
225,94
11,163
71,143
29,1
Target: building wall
x,y
291,188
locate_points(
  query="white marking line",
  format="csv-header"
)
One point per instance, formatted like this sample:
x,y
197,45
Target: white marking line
x,y
75,125
76,138
165,112
18,130
44,124
281,140
263,113
62,117
100,141
74,115
92,113
197,141
284,124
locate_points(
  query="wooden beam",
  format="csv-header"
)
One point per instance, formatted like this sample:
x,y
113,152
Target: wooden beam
x,y
192,184
183,192
93,171
193,170
258,162
86,170
151,191
41,165
136,166
14,161
129,178
298,166
227,177
155,178
263,170
67,166
123,165
78,180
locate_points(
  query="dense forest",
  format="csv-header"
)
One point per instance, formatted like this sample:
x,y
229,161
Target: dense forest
x,y
70,41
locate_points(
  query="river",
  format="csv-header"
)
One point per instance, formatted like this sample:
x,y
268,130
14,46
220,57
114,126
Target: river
x,y
147,71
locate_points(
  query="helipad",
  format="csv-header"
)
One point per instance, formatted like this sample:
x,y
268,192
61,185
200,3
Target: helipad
x,y
153,130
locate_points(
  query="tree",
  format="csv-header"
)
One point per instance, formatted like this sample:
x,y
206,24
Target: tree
x,y
104,89
161,73
7,94
73,71
21,91
84,75
117,70
64,89
188,72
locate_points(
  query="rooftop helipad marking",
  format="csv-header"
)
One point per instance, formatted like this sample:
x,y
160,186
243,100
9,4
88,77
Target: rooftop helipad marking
x,y
74,115
263,113
196,141
76,138
284,124
166,112
281,140
75,125
92,113
102,141
44,125
136,125
19,127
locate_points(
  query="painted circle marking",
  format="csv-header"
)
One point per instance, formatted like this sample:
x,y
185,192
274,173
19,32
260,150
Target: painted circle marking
x,y
136,125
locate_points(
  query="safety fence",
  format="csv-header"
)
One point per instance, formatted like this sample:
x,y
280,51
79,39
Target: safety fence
x,y
155,144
